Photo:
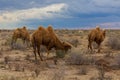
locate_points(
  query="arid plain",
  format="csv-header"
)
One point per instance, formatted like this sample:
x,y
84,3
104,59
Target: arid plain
x,y
78,64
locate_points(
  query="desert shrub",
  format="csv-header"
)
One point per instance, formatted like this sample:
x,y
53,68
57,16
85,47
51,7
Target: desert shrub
x,y
19,45
117,60
93,78
101,72
1,54
98,78
75,59
8,41
60,54
43,48
7,59
27,57
114,42
78,57
37,72
101,75
108,55
74,42
95,45
59,74
83,71
17,67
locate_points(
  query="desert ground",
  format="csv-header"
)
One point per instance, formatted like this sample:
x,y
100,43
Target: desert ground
x,y
78,64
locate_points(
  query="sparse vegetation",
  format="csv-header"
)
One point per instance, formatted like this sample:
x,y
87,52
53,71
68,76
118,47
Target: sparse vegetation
x,y
18,63
78,57
74,42
117,61
114,42
83,70
7,59
19,45
37,72
59,75
60,54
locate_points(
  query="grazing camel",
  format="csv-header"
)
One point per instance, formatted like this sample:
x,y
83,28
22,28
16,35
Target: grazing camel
x,y
49,39
96,35
21,33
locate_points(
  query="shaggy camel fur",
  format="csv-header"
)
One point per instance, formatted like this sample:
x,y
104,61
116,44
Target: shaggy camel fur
x,y
97,35
21,33
49,39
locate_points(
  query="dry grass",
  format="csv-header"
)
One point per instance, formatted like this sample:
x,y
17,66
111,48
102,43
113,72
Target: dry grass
x,y
78,64
114,42
83,70
79,57
117,59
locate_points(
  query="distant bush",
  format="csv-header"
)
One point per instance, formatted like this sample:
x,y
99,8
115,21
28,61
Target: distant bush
x,y
19,45
74,42
114,42
117,61
83,71
60,54
78,57
59,74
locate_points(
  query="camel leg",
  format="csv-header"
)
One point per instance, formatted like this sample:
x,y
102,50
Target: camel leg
x,y
38,49
24,42
47,53
48,48
90,46
99,47
28,44
34,48
13,42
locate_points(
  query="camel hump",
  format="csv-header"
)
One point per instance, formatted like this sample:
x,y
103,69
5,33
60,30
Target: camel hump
x,y
18,29
97,27
104,30
50,28
24,27
40,28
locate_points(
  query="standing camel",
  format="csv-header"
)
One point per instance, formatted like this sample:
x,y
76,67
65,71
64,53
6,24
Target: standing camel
x,y
96,35
21,33
48,38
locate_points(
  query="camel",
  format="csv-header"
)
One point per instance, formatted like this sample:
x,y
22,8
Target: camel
x,y
48,38
21,33
96,35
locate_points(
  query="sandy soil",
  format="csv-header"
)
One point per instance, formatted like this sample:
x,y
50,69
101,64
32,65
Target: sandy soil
x,y
19,64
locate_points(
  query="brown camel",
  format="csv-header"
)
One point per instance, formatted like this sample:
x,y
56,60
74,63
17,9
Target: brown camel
x,y
21,33
49,39
96,35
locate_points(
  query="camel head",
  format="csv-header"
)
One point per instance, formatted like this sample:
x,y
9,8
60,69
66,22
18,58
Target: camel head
x,y
50,28
67,46
40,28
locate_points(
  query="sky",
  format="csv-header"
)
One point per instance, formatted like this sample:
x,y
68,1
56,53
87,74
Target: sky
x,y
73,14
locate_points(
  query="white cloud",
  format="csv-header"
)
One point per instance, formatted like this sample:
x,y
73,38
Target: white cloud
x,y
111,25
107,3
33,13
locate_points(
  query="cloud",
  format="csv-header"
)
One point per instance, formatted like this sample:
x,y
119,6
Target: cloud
x,y
50,11
111,25
70,13
107,3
